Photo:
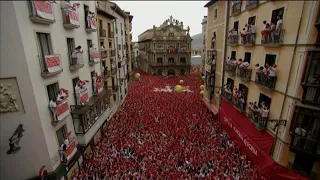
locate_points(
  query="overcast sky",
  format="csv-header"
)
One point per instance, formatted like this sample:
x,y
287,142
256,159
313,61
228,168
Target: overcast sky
x,y
149,13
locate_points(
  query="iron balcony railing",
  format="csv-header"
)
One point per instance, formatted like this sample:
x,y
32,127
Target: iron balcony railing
x,y
240,105
91,24
258,119
230,68
252,4
106,74
236,8
103,54
265,80
114,71
248,39
50,64
112,53
273,37
311,94
61,111
67,153
40,6
70,18
168,64
244,73
305,144
227,94
110,34
103,33
76,61
233,39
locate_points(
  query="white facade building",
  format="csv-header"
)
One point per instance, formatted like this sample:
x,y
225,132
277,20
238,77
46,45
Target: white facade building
x,y
37,41
120,38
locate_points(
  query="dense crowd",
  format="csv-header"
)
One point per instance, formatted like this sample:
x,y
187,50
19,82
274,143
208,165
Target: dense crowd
x,y
165,135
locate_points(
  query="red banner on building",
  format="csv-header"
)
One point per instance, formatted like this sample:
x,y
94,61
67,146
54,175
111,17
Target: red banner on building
x,y
93,23
84,97
96,56
53,63
71,148
256,144
44,9
62,110
73,16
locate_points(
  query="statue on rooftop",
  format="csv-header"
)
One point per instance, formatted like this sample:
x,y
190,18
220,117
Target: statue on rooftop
x,y
171,18
188,29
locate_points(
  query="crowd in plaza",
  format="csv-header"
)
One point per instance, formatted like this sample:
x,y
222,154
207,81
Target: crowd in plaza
x,y
162,135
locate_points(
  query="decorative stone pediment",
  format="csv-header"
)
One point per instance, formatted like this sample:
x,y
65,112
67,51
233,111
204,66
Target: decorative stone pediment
x,y
10,100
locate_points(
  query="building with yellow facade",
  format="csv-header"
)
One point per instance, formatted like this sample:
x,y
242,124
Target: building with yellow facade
x,y
128,34
107,46
215,47
277,43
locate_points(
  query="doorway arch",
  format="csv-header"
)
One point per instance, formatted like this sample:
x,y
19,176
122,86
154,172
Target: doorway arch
x,y
182,72
171,72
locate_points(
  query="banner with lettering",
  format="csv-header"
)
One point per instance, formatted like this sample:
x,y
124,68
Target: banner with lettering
x,y
73,16
44,9
84,97
245,143
62,110
255,146
70,148
93,23
53,63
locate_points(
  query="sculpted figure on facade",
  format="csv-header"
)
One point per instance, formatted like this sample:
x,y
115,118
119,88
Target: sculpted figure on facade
x,y
188,30
7,100
15,139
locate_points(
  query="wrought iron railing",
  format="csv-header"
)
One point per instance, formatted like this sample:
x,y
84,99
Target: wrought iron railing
x,y
227,94
249,38
230,68
110,34
305,144
236,8
244,73
112,53
273,36
103,33
233,39
265,80
252,4
240,105
260,122
103,53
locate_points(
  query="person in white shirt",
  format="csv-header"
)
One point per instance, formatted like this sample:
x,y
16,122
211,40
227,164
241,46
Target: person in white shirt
x,y
300,132
245,64
76,54
279,23
77,90
272,70
53,107
94,82
264,112
61,96
91,50
66,141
